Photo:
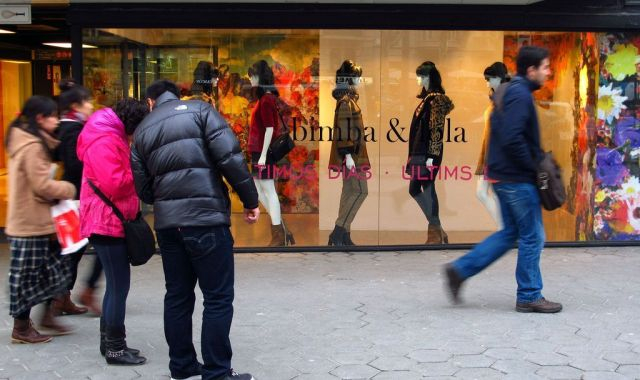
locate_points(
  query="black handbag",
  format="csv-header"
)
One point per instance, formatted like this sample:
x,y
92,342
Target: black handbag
x,y
138,236
282,145
549,181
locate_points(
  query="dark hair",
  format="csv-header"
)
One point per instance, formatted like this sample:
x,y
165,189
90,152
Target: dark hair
x,y
347,72
497,70
161,86
131,112
266,78
203,76
71,93
530,56
26,120
428,69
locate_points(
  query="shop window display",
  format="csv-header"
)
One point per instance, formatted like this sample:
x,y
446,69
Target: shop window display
x,y
373,164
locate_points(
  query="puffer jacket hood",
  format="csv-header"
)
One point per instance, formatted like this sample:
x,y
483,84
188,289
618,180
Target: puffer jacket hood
x,y
103,123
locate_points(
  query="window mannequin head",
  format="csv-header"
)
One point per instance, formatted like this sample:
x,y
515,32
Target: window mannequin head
x,y
261,77
349,75
205,78
428,74
495,75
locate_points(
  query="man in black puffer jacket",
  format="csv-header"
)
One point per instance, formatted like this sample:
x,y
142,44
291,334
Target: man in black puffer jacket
x,y
180,154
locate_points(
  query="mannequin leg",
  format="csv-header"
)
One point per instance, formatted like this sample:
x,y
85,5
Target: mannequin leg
x,y
489,200
262,198
354,193
271,200
424,195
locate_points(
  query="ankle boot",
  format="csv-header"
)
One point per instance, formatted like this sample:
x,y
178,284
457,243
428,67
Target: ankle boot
x,y
88,299
336,237
288,236
63,305
116,345
24,332
51,322
277,236
347,239
103,338
436,235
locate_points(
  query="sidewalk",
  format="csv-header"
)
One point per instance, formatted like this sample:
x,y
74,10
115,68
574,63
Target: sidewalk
x,y
378,315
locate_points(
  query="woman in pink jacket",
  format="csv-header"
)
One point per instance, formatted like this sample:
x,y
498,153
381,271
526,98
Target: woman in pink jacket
x,y
103,147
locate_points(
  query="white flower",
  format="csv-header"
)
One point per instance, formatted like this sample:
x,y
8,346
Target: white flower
x,y
610,103
631,188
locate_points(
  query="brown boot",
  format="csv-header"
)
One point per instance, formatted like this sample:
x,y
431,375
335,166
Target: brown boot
x,y
277,236
88,299
23,332
64,305
436,235
51,323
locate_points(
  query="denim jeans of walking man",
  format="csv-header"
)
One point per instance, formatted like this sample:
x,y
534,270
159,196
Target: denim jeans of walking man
x,y
513,154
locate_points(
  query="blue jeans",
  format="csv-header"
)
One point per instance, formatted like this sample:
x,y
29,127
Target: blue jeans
x,y
522,218
115,260
203,255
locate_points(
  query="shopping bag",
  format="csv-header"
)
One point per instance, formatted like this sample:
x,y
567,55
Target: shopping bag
x,y
67,221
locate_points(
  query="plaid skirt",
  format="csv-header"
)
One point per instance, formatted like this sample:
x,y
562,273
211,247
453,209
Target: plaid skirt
x,y
37,272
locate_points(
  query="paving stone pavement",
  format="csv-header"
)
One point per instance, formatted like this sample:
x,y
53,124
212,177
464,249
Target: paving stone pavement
x,y
378,315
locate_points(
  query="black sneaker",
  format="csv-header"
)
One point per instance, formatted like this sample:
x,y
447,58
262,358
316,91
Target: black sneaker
x,y
454,283
233,375
539,306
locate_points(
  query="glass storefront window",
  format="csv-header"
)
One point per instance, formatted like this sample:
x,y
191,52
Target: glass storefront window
x,y
588,114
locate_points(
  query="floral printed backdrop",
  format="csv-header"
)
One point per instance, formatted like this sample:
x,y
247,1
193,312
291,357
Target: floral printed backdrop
x,y
617,185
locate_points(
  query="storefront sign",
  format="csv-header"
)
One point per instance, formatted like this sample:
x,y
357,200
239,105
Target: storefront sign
x,y
15,14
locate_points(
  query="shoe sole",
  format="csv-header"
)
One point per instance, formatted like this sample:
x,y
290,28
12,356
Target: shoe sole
x,y
54,332
20,341
521,309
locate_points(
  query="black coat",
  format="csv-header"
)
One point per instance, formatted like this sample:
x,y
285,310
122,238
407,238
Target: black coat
x,y
181,152
68,132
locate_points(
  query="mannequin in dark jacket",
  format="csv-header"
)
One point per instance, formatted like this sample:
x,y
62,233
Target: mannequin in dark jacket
x,y
426,147
180,154
74,103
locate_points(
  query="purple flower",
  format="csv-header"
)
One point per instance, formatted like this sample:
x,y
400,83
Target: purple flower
x,y
628,128
610,168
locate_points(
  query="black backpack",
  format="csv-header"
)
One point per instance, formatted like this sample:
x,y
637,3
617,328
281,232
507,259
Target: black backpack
x,y
549,181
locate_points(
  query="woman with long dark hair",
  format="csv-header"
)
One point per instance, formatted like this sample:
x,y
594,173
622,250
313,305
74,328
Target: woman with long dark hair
x,y
74,103
426,147
37,273
103,147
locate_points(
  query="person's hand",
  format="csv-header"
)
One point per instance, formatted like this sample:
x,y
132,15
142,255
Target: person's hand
x,y
349,163
262,161
251,215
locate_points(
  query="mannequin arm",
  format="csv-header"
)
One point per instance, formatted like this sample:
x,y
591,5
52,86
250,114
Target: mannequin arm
x,y
268,135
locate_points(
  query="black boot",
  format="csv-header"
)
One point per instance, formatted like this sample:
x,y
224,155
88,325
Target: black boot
x,y
346,239
337,236
103,336
116,344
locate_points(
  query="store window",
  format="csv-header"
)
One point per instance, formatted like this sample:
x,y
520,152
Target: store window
x,y
367,84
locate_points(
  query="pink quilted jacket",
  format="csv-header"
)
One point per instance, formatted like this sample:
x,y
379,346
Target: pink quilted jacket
x,y
104,150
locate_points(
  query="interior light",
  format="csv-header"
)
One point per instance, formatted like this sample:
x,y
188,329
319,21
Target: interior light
x,y
67,45
4,31
13,61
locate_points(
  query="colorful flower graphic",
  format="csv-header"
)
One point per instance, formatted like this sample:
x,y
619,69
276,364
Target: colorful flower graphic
x,y
610,103
621,63
611,170
627,129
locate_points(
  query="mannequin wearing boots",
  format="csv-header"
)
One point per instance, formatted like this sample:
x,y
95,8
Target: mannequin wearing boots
x,y
495,75
263,129
426,147
348,151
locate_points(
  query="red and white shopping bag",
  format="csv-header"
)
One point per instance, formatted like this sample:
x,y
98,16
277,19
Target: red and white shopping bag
x,y
67,221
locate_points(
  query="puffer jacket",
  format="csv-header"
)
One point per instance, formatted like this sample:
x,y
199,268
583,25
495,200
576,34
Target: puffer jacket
x,y
181,152
104,150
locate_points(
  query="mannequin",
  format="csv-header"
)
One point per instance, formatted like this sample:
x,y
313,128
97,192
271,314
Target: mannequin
x,y
426,147
348,151
264,127
205,81
495,75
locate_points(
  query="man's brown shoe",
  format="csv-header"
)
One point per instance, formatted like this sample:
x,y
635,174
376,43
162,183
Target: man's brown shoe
x,y
454,283
23,332
52,324
539,306
64,306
